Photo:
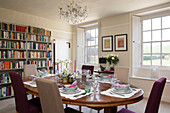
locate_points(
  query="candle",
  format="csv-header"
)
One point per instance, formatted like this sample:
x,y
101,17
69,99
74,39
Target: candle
x,y
57,65
74,65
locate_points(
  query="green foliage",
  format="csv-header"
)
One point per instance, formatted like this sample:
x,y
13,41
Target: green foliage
x,y
113,59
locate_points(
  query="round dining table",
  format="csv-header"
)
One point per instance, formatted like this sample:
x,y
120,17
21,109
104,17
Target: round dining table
x,y
98,100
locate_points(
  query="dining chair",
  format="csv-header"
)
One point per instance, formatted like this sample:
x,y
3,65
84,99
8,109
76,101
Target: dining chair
x,y
122,75
154,98
23,105
88,67
30,69
50,98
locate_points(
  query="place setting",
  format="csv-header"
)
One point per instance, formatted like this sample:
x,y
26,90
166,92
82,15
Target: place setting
x,y
121,91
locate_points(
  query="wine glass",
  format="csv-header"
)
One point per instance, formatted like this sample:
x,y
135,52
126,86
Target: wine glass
x,y
94,85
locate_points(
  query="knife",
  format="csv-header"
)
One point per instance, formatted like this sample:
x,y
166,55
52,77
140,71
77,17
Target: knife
x,y
79,94
117,93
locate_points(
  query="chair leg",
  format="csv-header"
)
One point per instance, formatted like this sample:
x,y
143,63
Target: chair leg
x,y
98,111
80,108
66,105
126,106
32,96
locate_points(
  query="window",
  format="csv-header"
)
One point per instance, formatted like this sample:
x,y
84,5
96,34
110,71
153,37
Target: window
x,y
156,41
91,46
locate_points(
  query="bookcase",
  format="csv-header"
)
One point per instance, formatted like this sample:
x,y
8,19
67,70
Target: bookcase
x,y
21,45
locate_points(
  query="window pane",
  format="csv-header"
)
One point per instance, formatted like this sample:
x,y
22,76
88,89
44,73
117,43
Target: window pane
x,y
88,43
93,42
146,47
146,24
97,50
93,33
156,47
166,34
156,35
87,34
165,47
166,22
156,60
156,23
96,59
88,50
146,60
92,51
165,60
147,36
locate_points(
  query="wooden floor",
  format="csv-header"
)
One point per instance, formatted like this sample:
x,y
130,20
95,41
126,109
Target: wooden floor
x,y
8,106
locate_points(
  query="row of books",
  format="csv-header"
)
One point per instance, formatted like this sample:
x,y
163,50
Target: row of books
x,y
49,54
42,63
12,54
49,47
12,35
5,78
39,38
33,45
11,64
40,31
49,63
12,45
13,27
6,91
37,54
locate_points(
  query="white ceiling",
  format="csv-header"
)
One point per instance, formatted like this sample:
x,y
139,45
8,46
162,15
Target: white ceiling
x,y
96,8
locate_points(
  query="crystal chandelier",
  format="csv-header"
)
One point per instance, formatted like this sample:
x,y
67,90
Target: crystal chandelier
x,y
74,13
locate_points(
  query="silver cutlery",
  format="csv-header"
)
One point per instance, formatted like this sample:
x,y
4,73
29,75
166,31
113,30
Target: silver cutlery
x,y
79,94
116,93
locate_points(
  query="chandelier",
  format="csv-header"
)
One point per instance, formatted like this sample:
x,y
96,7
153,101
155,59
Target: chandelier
x,y
73,13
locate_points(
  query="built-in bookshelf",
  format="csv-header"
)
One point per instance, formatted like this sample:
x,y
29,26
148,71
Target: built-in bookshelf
x,y
21,45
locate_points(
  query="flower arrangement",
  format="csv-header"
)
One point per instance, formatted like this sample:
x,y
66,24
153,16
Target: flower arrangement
x,y
112,58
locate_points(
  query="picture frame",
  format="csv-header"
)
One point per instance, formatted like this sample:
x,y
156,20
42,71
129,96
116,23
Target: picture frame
x,y
121,42
107,43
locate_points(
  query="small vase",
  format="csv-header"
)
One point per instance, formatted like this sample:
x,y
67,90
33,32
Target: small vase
x,y
70,80
111,67
107,66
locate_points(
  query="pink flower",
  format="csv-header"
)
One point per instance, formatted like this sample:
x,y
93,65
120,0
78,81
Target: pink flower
x,y
110,75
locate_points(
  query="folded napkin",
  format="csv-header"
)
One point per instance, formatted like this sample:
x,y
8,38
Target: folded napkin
x,y
107,93
31,83
71,96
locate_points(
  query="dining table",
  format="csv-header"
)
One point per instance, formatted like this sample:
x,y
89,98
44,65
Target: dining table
x,y
97,100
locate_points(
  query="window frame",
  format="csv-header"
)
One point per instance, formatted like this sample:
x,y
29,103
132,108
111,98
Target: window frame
x,y
151,42
86,46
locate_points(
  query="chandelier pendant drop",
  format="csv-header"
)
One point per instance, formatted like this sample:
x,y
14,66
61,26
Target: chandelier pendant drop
x,y
74,13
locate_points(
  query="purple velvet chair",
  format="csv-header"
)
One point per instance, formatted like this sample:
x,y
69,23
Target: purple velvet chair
x,y
23,105
154,98
88,67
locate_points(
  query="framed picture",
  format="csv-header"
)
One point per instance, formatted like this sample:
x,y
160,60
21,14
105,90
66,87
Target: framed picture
x,y
107,43
121,42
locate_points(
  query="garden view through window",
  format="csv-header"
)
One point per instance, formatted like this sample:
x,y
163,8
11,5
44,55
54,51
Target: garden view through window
x,y
156,41
91,46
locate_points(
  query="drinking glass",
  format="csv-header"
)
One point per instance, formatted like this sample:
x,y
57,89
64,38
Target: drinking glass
x,y
95,84
113,79
88,73
87,87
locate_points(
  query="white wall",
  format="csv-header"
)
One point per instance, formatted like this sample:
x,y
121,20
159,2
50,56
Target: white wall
x,y
122,24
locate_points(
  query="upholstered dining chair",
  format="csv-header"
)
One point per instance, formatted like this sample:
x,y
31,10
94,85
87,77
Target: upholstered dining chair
x,y
122,74
154,98
30,69
23,105
50,98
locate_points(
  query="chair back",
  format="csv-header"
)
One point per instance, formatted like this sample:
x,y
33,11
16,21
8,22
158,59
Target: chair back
x,y
122,74
30,69
155,96
49,96
88,67
21,99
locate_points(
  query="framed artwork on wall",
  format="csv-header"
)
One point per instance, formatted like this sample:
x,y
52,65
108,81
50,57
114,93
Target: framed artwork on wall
x,y
107,43
121,42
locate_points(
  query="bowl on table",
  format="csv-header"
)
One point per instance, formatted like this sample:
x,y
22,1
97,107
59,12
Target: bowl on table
x,y
121,87
70,88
